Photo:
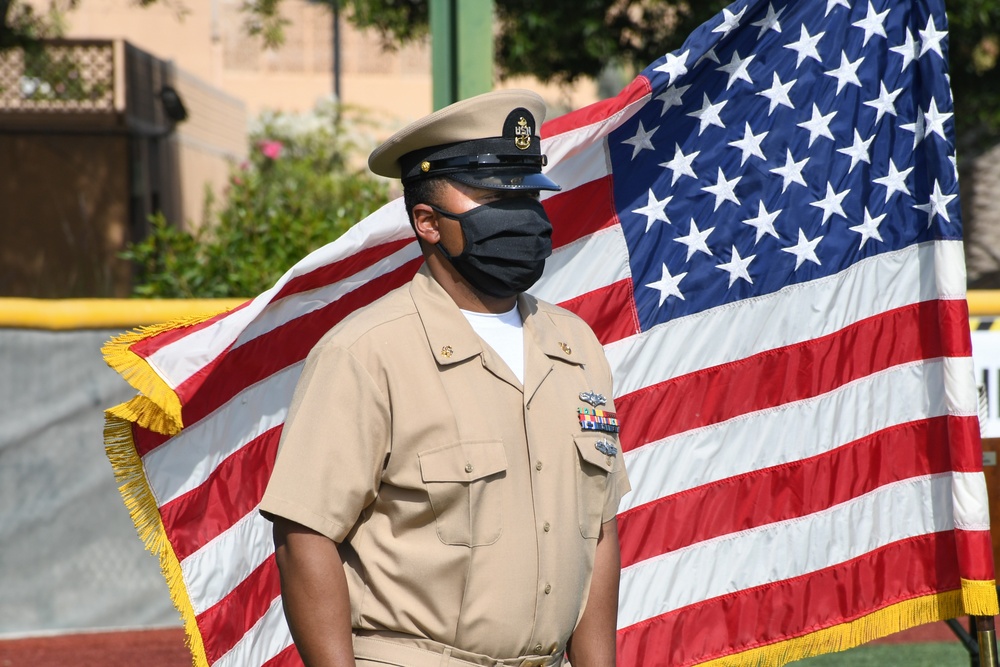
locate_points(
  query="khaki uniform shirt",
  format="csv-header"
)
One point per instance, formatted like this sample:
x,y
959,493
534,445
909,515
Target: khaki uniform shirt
x,y
468,506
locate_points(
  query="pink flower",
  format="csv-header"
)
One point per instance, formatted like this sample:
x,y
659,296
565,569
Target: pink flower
x,y
271,149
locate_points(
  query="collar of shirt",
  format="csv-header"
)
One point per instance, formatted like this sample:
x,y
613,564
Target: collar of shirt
x,y
451,338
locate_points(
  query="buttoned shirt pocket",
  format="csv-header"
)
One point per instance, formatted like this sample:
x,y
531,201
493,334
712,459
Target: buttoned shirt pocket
x,y
593,473
464,482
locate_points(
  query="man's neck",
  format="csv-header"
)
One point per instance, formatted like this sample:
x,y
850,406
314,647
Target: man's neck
x,y
461,292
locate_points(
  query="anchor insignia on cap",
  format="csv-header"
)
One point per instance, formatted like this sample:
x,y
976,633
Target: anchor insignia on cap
x,y
592,398
522,134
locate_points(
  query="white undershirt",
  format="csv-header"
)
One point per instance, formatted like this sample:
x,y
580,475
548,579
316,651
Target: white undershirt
x,y
503,333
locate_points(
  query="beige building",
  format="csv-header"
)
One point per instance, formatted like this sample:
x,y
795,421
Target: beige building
x,y
208,39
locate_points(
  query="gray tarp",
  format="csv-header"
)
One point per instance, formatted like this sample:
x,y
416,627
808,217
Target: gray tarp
x,y
69,554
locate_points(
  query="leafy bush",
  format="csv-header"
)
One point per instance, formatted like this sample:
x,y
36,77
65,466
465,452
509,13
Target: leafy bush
x,y
298,191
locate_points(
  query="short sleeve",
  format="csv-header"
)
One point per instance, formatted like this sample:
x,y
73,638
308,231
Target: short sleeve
x,y
333,445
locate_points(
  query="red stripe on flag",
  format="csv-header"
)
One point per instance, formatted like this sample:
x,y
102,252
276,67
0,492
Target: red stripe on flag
x,y
147,346
320,277
341,269
610,311
598,111
975,550
788,491
145,440
224,623
764,615
571,221
288,657
791,373
255,360
231,492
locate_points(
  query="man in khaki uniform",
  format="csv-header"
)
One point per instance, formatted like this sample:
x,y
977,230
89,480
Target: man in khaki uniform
x,y
449,473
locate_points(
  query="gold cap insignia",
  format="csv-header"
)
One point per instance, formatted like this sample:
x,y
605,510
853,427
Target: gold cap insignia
x,y
522,134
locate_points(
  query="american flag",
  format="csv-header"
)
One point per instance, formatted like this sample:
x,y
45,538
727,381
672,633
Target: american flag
x,y
763,231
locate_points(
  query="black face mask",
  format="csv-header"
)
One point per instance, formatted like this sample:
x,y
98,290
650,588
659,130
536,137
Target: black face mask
x,y
506,243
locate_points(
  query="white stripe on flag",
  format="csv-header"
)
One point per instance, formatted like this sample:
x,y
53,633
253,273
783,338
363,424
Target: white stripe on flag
x,y
587,264
792,315
560,147
739,561
288,309
185,462
218,567
972,509
181,359
588,165
267,638
785,433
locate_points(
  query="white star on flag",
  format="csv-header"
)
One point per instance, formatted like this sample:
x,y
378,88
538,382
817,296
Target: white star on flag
x,y
671,97
724,190
696,240
806,46
934,121
641,141
791,172
675,66
654,210
730,21
885,103
737,267
830,4
737,69
936,205
680,164
708,114
917,127
668,285
869,228
894,181
763,222
804,250
909,50
858,151
872,24
818,125
930,38
778,93
709,55
832,203
770,21
749,144
847,73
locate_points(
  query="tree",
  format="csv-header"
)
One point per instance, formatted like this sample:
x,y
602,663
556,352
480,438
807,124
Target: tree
x,y
297,192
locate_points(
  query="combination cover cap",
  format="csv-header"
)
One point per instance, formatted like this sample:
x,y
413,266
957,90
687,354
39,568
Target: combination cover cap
x,y
488,141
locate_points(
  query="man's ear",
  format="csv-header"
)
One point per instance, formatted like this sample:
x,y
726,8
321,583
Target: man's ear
x,y
425,223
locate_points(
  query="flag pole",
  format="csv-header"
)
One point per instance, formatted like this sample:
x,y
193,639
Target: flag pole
x,y
987,637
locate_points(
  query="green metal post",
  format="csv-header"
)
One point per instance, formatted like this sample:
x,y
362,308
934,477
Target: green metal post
x,y
461,49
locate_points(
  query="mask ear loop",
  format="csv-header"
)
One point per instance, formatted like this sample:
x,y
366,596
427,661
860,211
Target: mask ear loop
x,y
454,216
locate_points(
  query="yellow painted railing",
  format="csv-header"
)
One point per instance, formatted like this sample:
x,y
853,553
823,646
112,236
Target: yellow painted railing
x,y
64,314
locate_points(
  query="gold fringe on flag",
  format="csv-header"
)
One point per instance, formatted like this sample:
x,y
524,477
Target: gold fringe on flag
x,y
979,598
142,507
158,408
894,618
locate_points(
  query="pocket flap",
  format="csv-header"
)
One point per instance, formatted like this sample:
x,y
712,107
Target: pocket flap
x,y
589,446
463,461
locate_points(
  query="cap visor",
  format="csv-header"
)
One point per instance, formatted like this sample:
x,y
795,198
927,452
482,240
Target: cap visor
x,y
505,180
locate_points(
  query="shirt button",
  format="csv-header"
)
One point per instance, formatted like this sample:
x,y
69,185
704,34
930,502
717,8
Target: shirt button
x,y
538,648
546,526
468,467
548,588
538,465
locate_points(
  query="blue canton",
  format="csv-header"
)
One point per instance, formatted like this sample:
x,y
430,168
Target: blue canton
x,y
784,142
